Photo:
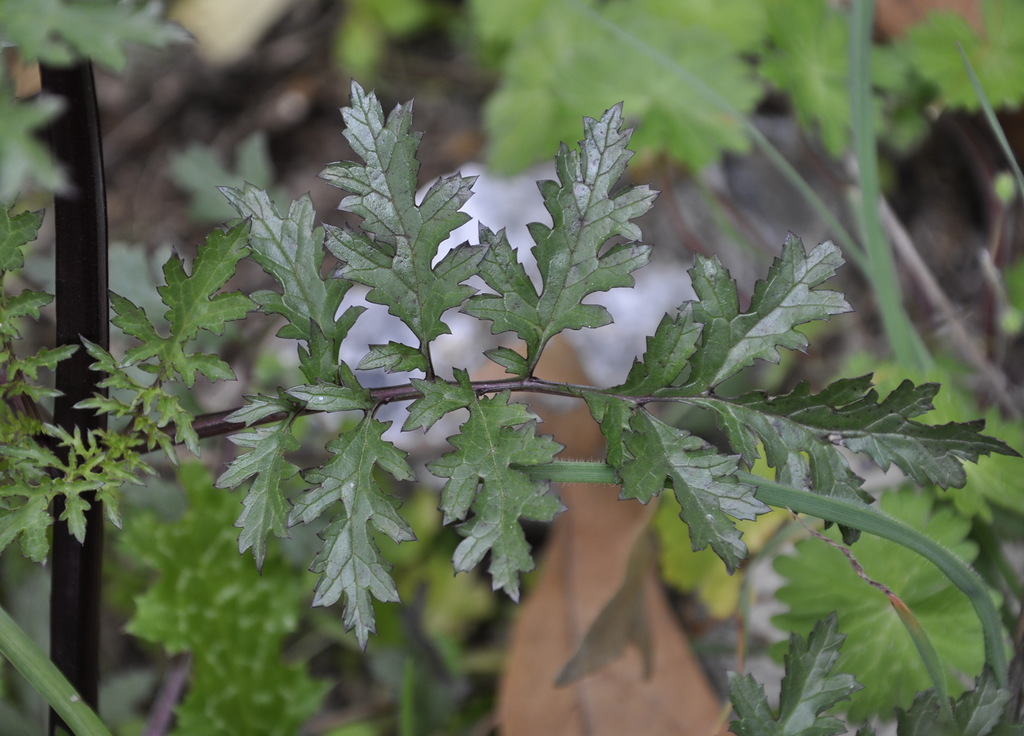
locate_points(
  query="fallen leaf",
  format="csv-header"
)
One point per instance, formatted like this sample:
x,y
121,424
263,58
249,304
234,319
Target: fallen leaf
x,y
583,577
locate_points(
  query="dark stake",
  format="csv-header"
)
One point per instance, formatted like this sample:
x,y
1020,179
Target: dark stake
x,y
81,274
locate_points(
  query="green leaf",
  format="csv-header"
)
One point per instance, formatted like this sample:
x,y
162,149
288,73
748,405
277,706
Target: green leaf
x,y
397,261
60,32
803,433
330,397
290,249
258,406
193,305
234,619
192,299
807,58
995,54
30,522
819,579
349,562
15,232
197,169
439,398
533,109
808,689
569,255
660,455
393,357
732,340
991,481
485,477
265,509
978,712
668,353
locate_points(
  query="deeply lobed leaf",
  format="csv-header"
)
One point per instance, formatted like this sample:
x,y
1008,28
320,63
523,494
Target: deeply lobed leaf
x,y
397,262
585,215
349,563
808,689
265,508
659,455
484,477
732,340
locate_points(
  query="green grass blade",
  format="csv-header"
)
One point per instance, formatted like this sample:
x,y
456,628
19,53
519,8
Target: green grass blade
x,y
990,117
47,680
881,264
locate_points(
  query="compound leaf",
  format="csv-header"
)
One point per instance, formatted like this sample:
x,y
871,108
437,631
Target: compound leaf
x,y
585,214
732,340
15,232
265,508
397,262
349,563
192,298
483,478
290,249
808,689
703,479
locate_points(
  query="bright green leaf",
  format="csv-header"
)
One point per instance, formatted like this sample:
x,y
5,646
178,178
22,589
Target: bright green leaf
x,y
192,299
996,54
808,59
234,619
819,579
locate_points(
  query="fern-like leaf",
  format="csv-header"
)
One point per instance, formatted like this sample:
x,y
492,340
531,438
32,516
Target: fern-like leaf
x,y
585,214
398,261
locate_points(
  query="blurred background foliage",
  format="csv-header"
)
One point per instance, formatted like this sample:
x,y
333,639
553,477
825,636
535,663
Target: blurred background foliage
x,y
719,92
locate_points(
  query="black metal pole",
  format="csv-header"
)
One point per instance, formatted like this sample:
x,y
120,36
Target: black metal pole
x,y
82,310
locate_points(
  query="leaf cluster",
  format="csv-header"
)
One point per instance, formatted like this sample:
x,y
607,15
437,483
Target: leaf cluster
x,y
233,622
692,69
40,461
493,476
60,33
811,689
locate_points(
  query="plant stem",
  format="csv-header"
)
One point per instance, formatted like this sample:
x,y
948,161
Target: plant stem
x,y
847,513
